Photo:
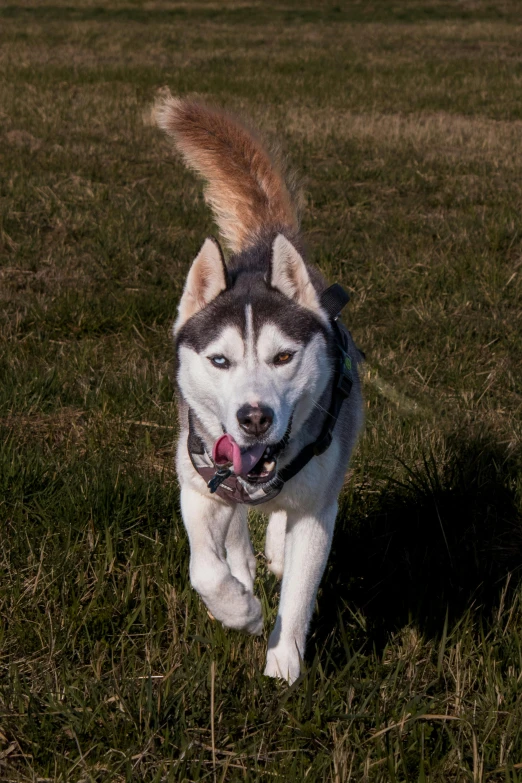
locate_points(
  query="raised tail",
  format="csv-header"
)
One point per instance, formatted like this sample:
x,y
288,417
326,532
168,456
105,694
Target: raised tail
x,y
244,185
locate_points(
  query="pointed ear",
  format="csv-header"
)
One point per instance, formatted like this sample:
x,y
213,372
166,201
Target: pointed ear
x,y
206,279
288,273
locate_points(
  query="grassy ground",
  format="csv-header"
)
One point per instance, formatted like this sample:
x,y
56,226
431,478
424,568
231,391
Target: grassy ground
x,y
405,120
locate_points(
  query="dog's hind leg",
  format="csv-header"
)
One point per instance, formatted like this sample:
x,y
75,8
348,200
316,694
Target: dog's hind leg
x,y
240,555
207,522
275,543
307,545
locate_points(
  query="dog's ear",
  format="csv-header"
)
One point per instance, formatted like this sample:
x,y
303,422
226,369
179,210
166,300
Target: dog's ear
x,y
206,279
288,273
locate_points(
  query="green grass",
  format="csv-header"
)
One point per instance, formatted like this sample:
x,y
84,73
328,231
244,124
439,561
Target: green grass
x,y
405,121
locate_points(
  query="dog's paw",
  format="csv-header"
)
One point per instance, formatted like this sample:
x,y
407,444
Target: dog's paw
x,y
246,615
284,663
226,597
255,624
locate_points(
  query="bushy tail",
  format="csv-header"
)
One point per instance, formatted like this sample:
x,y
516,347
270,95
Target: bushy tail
x,y
244,185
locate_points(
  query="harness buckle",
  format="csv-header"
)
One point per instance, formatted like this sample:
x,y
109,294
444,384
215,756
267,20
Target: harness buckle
x,y
218,478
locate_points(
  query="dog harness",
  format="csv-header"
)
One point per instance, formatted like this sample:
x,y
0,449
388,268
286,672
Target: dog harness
x,y
235,489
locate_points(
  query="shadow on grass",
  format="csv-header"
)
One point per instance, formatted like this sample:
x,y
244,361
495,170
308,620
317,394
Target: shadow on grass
x,y
441,542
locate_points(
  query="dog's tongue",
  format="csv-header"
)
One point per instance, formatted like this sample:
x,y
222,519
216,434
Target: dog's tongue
x,y
226,450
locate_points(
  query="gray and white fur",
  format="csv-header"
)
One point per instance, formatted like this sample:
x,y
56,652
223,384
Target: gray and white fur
x,y
255,359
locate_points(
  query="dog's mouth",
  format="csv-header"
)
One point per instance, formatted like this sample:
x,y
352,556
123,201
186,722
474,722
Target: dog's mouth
x,y
265,469
256,464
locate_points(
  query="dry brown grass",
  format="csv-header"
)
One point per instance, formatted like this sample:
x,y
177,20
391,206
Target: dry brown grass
x,y
455,137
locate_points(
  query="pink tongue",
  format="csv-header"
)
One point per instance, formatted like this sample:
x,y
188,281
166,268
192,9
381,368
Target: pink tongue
x,y
226,450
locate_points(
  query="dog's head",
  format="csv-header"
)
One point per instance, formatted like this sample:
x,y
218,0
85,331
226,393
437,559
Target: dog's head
x,y
253,350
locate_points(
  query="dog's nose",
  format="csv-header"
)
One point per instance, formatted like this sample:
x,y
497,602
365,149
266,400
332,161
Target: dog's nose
x,y
255,420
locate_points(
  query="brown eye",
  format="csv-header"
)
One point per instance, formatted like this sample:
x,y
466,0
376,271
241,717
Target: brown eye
x,y
283,358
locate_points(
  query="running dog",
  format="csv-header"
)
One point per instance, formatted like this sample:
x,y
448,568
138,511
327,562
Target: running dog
x,y
269,395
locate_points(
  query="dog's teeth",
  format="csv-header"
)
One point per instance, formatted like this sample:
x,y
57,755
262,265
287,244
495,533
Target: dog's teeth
x,y
269,466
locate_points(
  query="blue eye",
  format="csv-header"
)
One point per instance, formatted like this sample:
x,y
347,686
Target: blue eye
x,y
220,361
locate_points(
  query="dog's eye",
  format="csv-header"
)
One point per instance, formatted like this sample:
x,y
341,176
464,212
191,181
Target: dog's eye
x,y
283,358
220,361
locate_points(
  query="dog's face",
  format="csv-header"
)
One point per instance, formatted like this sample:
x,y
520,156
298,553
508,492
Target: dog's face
x,y
253,359
244,374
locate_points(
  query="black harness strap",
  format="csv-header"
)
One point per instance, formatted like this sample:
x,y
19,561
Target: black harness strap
x,y
332,300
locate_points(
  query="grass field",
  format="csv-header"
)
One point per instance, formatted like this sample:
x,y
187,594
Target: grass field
x,y
405,120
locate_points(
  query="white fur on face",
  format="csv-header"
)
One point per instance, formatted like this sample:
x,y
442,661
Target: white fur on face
x,y
217,394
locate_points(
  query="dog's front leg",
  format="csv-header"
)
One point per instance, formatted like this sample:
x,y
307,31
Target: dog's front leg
x,y
307,545
207,522
240,555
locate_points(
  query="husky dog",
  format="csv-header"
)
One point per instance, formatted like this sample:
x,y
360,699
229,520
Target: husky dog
x,y
270,400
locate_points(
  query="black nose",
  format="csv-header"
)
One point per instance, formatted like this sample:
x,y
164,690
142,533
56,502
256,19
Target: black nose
x,y
255,420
